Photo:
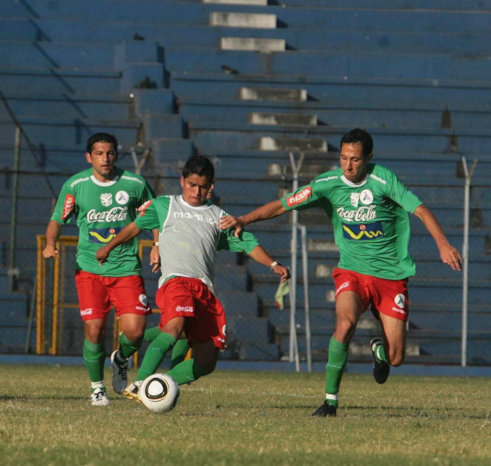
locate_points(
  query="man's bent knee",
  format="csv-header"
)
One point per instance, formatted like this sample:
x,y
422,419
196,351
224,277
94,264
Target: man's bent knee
x,y
206,356
345,330
396,358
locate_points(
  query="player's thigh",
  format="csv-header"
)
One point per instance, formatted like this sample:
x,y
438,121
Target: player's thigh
x,y
132,325
175,326
395,338
349,308
205,354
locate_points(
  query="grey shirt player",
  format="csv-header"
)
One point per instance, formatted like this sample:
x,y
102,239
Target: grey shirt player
x,y
189,238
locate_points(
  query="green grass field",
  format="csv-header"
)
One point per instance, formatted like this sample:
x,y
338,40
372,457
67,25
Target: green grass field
x,y
234,418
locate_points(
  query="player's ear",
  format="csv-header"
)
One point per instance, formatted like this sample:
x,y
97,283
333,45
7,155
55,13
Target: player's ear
x,y
369,157
88,157
182,181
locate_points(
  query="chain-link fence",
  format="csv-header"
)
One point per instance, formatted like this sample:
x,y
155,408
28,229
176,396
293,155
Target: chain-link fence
x,y
257,329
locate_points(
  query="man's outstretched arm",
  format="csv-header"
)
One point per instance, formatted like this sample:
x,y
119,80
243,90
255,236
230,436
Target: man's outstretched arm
x,y
129,232
448,254
265,212
259,254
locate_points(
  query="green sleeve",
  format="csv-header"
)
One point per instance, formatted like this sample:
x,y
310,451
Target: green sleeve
x,y
303,198
399,193
66,205
152,213
228,241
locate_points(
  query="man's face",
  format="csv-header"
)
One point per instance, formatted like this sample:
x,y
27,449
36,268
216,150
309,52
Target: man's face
x,y
195,189
353,163
103,160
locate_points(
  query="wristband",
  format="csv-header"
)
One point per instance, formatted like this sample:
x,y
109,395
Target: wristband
x,y
273,265
156,243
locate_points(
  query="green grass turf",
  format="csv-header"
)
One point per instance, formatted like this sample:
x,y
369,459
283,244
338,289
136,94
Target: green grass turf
x,y
234,418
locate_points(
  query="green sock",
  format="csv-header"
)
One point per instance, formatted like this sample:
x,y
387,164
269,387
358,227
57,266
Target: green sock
x,y
186,372
154,355
151,333
179,352
128,347
94,356
380,353
337,357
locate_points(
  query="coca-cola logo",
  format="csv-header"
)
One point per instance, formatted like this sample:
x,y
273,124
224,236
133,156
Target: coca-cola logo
x,y
68,206
362,214
299,197
116,214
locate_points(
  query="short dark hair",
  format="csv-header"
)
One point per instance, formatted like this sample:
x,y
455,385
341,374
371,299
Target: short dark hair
x,y
361,136
102,137
199,165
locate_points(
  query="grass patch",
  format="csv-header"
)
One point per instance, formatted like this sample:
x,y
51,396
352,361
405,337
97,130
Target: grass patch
x,y
233,418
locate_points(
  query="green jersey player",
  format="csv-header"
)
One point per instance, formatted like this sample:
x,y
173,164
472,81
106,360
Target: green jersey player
x,y
104,199
367,205
189,241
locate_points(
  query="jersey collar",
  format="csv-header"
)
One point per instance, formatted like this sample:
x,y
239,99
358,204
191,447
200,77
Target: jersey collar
x,y
206,205
101,183
355,185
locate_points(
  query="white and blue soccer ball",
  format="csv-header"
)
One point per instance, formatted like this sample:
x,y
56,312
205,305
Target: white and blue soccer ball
x,y
159,393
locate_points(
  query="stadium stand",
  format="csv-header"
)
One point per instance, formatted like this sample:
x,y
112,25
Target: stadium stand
x,y
246,83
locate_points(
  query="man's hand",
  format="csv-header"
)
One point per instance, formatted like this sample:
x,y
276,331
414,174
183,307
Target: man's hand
x,y
50,251
155,259
228,221
102,254
449,255
283,271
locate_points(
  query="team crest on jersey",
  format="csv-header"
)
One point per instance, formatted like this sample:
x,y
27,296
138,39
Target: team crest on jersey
x,y
106,199
299,197
354,199
102,235
122,197
366,197
363,231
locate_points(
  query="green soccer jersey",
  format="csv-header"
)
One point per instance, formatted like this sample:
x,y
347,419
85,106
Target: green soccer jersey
x,y
189,238
370,220
101,211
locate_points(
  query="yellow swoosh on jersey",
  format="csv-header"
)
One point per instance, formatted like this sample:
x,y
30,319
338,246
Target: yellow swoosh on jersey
x,y
101,238
368,234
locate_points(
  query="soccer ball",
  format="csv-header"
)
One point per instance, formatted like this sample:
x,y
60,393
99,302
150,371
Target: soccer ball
x,y
159,393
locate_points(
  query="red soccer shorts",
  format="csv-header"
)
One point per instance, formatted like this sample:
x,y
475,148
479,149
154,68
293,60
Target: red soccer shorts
x,y
190,297
97,294
390,297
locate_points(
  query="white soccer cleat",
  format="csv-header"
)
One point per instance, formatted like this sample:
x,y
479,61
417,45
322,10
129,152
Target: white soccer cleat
x,y
99,397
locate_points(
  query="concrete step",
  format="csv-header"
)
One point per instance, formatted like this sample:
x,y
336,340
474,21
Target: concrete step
x,y
335,39
278,119
243,20
440,19
253,44
338,92
238,2
275,94
267,143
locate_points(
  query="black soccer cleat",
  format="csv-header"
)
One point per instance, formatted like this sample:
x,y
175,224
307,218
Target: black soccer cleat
x,y
381,369
325,409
